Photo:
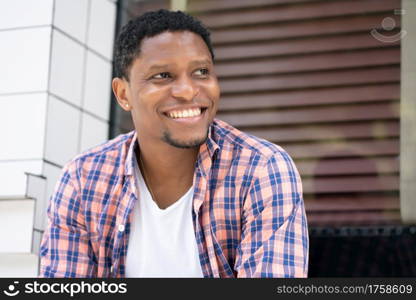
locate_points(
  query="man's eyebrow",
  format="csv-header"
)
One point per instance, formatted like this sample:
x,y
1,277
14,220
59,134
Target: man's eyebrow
x,y
194,62
158,67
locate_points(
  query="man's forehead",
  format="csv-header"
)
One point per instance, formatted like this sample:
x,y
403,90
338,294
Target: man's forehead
x,y
167,47
172,36
177,41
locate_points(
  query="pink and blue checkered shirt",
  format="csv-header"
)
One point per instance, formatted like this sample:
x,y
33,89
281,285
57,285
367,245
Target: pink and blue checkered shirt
x,y
248,211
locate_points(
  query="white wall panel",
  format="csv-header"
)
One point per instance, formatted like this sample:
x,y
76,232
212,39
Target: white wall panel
x,y
62,133
16,225
93,132
71,17
67,68
36,189
24,59
102,27
13,178
25,13
13,265
97,86
22,126
36,241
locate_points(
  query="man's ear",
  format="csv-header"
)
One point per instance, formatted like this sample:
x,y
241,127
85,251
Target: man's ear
x,y
121,91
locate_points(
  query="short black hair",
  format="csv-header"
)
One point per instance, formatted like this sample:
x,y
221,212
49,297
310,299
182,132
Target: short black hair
x,y
127,46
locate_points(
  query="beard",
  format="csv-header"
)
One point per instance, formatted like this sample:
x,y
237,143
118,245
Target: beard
x,y
167,137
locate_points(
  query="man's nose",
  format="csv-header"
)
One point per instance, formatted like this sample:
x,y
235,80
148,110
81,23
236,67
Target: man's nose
x,y
184,88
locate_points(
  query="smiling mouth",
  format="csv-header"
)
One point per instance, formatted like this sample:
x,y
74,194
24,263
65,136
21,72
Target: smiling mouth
x,y
186,114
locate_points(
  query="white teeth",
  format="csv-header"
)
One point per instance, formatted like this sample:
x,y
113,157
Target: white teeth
x,y
185,113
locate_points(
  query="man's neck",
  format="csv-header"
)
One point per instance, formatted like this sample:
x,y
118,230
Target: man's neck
x,y
167,162
168,170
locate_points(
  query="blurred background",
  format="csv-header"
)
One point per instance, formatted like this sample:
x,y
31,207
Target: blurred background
x,y
331,81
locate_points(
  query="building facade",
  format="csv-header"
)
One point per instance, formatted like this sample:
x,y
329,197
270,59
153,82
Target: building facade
x,y
55,93
331,81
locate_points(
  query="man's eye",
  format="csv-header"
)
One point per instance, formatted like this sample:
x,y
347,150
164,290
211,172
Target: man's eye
x,y
202,72
162,75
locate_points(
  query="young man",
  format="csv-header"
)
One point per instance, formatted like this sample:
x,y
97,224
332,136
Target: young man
x,y
184,194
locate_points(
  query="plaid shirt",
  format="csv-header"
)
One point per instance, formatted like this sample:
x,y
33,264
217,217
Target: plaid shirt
x,y
248,211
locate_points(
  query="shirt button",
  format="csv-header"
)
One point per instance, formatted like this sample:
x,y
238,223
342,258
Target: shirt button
x,y
121,227
112,268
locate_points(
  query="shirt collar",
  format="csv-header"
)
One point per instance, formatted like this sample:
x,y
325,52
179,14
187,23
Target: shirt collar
x,y
212,146
206,153
131,155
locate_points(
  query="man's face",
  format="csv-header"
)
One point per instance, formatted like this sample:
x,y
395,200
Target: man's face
x,y
173,90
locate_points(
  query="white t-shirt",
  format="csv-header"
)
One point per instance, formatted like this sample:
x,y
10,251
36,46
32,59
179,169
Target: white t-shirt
x,y
162,242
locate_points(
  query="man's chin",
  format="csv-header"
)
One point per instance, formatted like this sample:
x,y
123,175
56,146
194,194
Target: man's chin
x,y
188,143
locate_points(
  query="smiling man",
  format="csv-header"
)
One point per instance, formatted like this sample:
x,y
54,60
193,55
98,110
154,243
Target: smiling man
x,y
184,194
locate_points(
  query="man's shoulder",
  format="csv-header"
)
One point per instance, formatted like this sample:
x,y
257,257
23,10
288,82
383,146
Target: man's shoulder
x,y
111,151
230,137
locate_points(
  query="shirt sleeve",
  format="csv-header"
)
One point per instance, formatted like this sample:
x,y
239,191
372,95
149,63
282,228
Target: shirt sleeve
x,y
65,247
274,241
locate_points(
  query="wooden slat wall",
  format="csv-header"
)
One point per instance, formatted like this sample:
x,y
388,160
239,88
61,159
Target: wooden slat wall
x,y
308,76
